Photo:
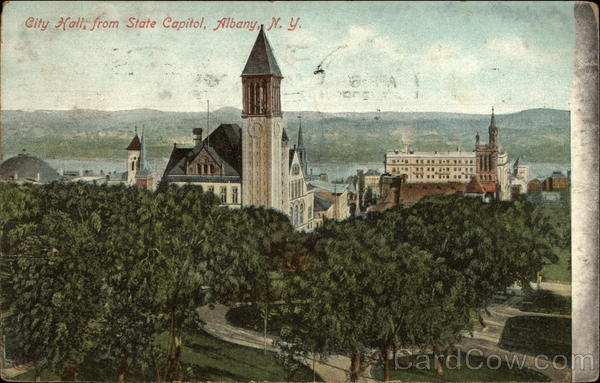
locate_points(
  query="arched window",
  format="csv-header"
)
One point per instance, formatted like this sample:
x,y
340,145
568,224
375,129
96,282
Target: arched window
x,y
296,215
301,216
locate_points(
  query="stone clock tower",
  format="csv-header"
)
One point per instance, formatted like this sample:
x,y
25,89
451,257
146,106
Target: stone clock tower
x,y
265,151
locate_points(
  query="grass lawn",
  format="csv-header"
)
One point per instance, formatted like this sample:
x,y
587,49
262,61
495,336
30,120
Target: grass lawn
x,y
420,368
535,335
204,358
559,215
559,271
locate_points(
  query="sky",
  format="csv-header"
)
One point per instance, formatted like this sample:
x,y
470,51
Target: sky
x,y
460,57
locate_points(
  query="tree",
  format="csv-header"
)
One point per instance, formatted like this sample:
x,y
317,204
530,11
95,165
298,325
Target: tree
x,y
493,245
56,308
364,292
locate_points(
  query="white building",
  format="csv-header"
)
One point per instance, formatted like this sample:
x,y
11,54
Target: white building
x,y
427,167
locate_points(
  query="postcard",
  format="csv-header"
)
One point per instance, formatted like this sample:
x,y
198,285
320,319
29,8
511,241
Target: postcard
x,y
299,191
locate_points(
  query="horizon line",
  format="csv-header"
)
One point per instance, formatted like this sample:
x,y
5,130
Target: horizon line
x,y
290,111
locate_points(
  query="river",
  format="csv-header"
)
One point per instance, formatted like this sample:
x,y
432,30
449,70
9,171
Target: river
x,y
335,171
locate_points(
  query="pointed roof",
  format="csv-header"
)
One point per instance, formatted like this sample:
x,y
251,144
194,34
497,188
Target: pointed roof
x,y
493,120
474,186
135,143
144,170
261,59
284,136
300,143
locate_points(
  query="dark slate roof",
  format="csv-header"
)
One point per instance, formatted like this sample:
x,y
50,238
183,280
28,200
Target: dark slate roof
x,y
261,59
135,143
227,142
372,172
203,178
27,168
173,166
284,136
321,203
292,151
224,144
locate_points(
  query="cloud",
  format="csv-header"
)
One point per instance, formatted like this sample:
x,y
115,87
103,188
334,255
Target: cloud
x,y
516,48
448,57
377,48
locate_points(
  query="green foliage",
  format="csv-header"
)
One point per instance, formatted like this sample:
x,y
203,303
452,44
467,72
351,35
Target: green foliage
x,y
412,276
92,274
251,317
492,244
97,271
205,358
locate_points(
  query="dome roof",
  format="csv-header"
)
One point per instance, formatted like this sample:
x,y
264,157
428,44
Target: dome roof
x,y
26,167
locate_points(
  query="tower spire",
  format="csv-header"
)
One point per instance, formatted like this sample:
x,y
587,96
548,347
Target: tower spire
x,y
493,130
143,156
300,141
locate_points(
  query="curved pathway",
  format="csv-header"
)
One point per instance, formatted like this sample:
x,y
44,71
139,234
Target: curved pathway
x,y
333,370
486,340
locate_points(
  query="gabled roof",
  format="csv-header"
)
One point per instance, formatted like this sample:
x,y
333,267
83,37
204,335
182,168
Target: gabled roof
x,y
224,145
474,186
175,165
135,143
261,59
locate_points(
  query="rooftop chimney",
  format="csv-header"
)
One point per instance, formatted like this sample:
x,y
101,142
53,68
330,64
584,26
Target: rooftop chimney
x,y
197,137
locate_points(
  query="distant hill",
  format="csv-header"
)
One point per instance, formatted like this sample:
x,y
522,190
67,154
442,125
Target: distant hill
x,y
541,134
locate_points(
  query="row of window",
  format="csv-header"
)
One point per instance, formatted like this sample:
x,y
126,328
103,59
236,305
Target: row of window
x,y
435,169
256,97
433,161
205,169
297,213
442,176
296,188
225,197
295,169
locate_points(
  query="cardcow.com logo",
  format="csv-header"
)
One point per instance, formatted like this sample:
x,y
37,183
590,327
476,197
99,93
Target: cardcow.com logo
x,y
475,359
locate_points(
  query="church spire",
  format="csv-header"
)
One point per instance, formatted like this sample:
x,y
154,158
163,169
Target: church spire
x,y
300,148
300,141
493,130
143,155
